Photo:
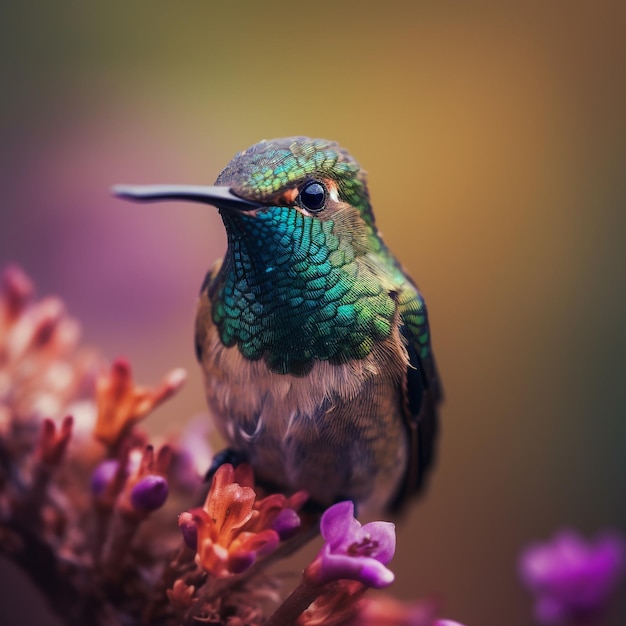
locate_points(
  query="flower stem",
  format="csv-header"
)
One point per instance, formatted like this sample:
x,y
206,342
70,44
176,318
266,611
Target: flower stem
x,y
297,602
115,550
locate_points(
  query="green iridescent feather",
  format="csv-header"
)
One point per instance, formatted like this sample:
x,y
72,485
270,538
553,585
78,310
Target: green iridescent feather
x,y
291,291
265,168
293,288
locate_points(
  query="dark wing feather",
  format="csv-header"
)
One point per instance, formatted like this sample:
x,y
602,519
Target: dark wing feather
x,y
421,395
203,313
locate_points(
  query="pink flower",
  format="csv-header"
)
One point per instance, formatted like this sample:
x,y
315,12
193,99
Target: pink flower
x,y
571,578
353,551
41,371
135,482
149,493
233,528
146,487
122,403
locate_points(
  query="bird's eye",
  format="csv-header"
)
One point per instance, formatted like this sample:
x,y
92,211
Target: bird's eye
x,y
312,196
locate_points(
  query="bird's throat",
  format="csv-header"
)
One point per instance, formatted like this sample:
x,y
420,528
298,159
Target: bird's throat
x,y
290,291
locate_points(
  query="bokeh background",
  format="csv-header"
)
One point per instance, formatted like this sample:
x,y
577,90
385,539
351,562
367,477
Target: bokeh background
x,y
495,141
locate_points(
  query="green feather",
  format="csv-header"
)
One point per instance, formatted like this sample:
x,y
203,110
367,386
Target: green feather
x,y
297,288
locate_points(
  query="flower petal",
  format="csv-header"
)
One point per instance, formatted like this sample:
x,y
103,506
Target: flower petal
x,y
286,523
262,543
367,570
102,475
384,533
375,574
338,526
149,493
188,529
245,549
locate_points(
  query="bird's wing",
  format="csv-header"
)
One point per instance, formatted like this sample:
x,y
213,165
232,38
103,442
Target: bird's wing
x,y
421,394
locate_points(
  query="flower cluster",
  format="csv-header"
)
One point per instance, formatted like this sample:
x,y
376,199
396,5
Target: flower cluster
x,y
352,559
57,401
42,371
234,527
88,507
121,403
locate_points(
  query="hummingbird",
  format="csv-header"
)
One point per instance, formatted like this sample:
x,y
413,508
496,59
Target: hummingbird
x,y
313,339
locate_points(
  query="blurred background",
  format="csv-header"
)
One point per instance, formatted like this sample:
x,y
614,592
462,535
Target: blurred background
x,y
495,141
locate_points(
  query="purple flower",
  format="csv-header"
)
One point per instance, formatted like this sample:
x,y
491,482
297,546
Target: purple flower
x,y
286,523
103,475
189,529
149,493
353,551
570,577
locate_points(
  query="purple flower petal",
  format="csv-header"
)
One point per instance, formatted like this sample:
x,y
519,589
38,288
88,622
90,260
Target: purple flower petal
x,y
367,570
286,523
375,574
149,493
241,561
338,523
102,475
189,530
385,535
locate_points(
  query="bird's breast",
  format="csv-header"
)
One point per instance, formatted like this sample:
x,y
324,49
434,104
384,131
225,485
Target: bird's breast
x,y
337,431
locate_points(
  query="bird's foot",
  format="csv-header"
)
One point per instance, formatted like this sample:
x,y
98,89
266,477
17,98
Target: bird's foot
x,y
228,455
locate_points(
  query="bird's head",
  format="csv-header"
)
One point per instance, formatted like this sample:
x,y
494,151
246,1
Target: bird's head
x,y
313,178
298,279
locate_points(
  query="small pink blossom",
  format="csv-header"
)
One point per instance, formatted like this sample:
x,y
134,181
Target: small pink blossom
x,y
146,488
149,493
233,527
572,578
353,551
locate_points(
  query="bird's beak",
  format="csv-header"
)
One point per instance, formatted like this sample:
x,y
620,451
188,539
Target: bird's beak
x,y
221,197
